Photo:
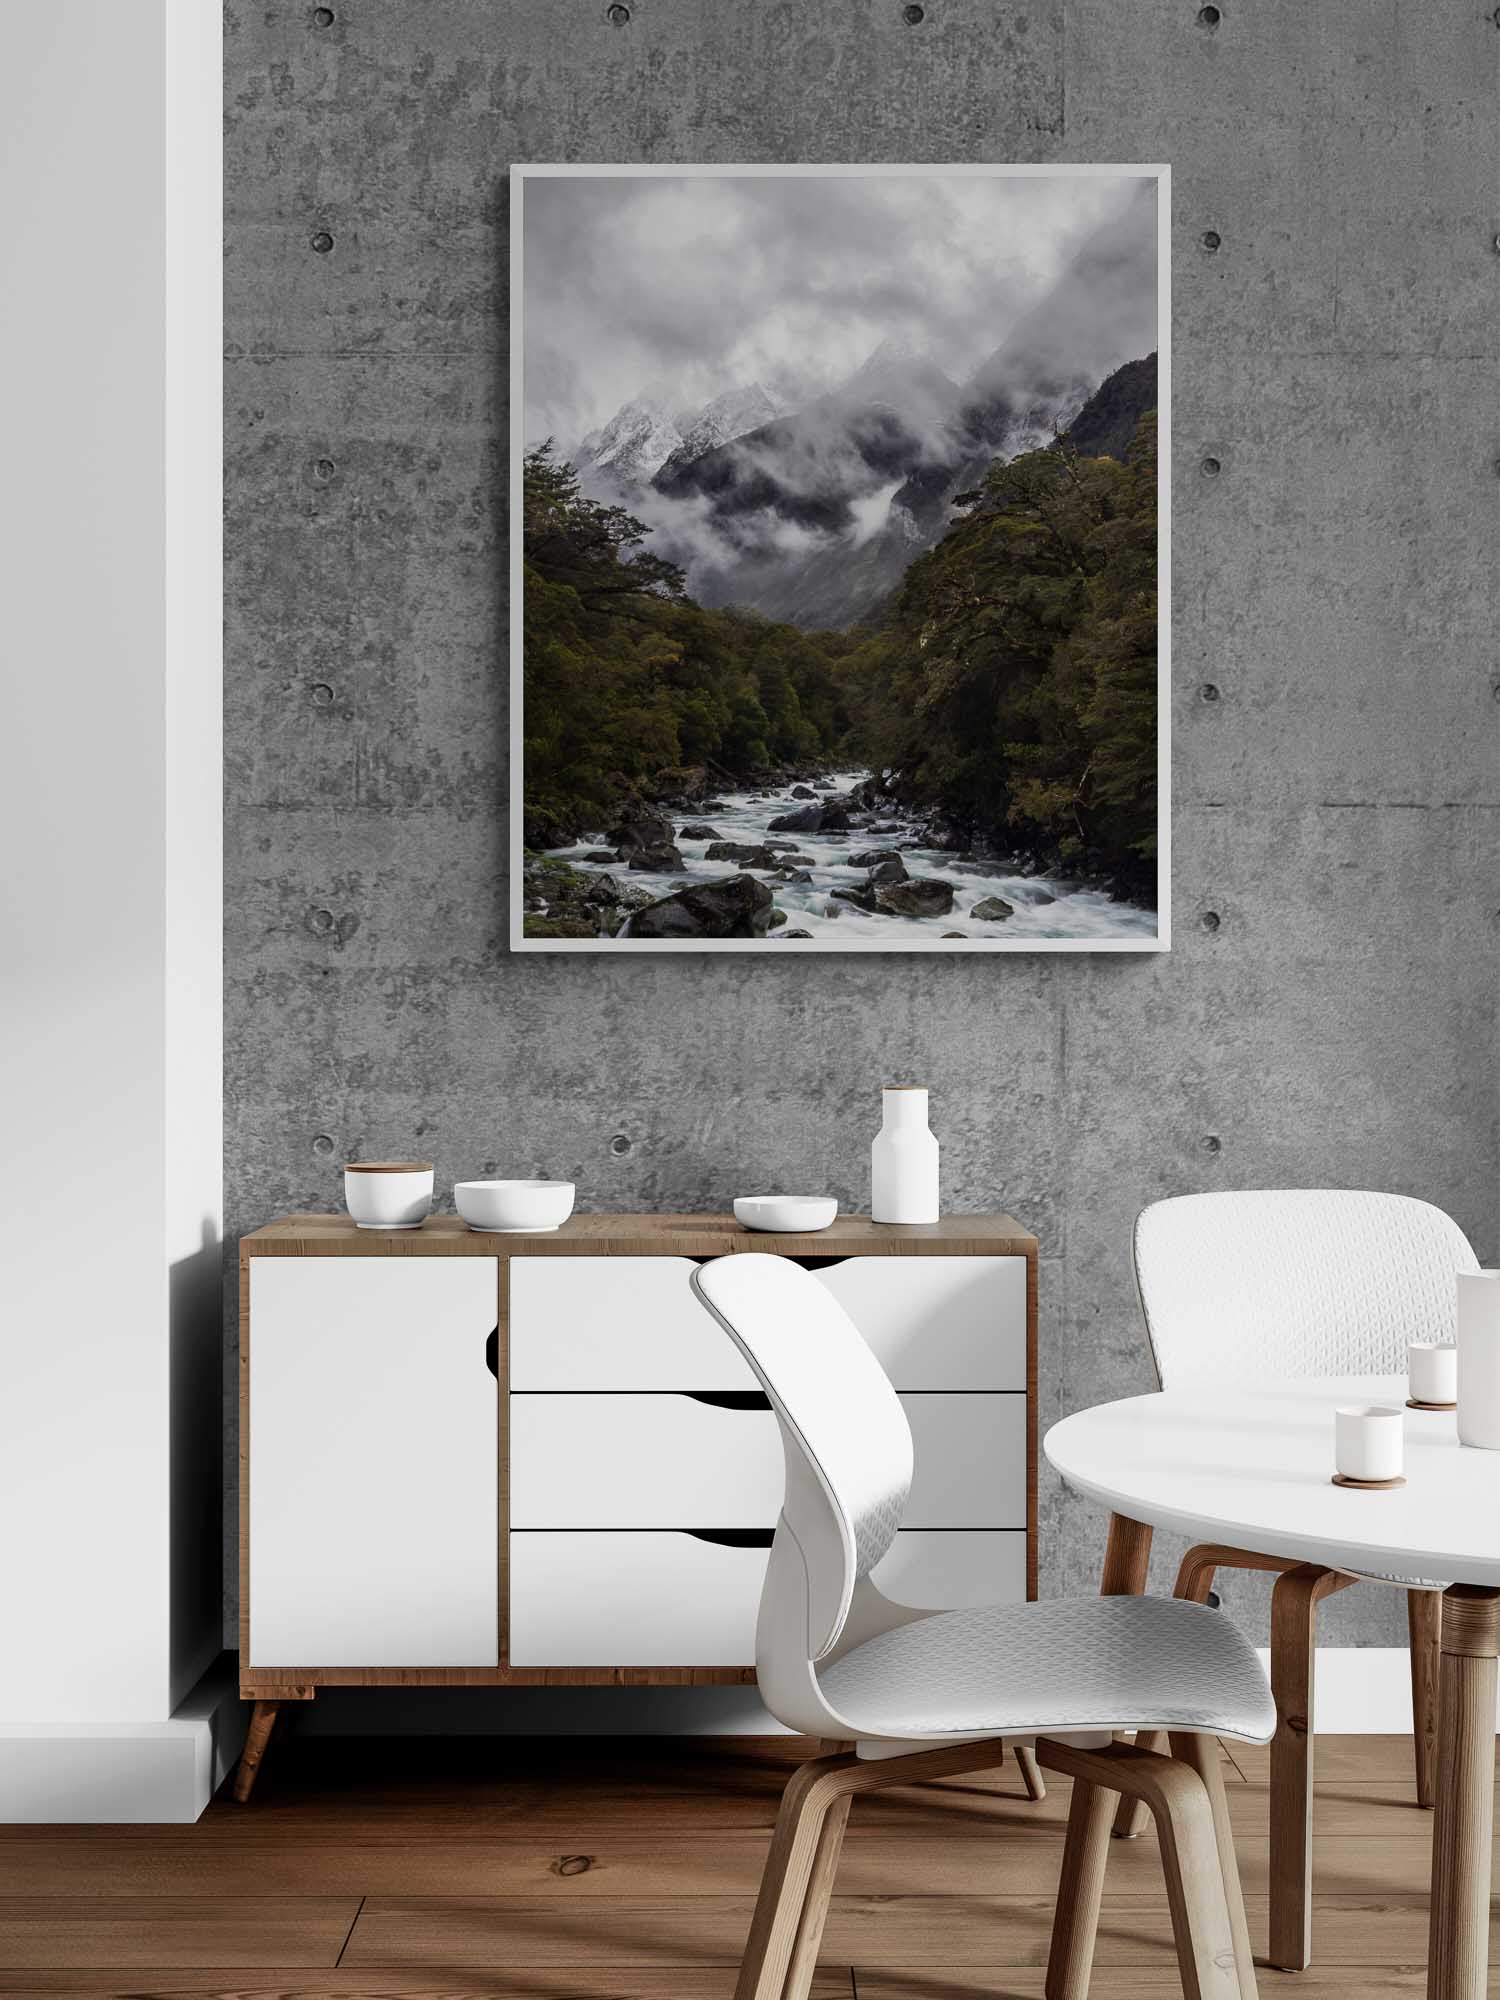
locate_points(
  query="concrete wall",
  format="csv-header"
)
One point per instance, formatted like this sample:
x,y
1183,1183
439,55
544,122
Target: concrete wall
x,y
111,1001
1328,1013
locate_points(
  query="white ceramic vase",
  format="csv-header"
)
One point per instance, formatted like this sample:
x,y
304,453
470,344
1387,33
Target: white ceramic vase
x,y
904,1159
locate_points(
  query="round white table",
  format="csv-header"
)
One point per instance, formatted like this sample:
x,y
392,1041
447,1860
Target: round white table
x,y
1251,1468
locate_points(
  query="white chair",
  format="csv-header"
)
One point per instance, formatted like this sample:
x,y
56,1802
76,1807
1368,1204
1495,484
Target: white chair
x,y
1261,1287
924,1694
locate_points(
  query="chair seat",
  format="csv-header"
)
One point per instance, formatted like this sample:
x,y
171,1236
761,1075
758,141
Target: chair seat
x,y
1086,1663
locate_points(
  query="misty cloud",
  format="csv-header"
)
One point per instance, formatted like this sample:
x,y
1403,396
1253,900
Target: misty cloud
x,y
683,287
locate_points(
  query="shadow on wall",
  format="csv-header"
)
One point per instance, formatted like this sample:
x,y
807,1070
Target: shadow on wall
x,y
196,1447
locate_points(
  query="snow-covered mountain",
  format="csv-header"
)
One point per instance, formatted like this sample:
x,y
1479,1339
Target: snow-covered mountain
x,y
630,448
727,417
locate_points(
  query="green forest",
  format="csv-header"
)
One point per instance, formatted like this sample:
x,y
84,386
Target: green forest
x,y
1010,684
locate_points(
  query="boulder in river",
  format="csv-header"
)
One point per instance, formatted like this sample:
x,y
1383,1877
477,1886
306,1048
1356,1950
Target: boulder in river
x,y
803,792
824,785
892,870
830,818
862,898
641,832
740,851
794,934
1041,897
736,907
871,857
699,830
778,918
923,896
993,910
713,805
793,874
606,854
663,860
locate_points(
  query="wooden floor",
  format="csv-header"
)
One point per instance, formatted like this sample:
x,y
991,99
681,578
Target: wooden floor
x,y
626,1870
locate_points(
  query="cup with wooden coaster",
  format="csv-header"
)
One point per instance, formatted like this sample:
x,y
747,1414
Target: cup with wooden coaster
x,y
1367,1446
1431,1375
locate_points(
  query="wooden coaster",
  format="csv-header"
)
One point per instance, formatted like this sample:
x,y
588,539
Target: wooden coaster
x,y
1413,1404
1367,1485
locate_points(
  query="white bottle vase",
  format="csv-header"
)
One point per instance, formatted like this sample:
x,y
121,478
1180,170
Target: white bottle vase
x,y
1479,1359
904,1159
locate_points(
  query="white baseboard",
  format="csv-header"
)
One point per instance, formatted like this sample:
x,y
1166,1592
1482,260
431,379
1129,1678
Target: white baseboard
x,y
123,1772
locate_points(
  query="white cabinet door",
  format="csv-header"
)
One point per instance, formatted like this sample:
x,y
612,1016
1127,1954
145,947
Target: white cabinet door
x,y
616,1323
938,1322
373,1462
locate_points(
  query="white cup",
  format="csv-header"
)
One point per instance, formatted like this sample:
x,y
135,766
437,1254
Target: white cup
x,y
1432,1371
1367,1441
388,1194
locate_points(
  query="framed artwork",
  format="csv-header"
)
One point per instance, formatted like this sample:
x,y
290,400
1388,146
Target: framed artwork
x,y
839,559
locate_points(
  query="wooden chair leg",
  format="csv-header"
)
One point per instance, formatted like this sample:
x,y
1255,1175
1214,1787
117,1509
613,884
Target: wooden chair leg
x,y
1080,1889
1294,1607
1185,1825
262,1722
1195,1579
1203,1754
1424,1615
825,1868
1031,1772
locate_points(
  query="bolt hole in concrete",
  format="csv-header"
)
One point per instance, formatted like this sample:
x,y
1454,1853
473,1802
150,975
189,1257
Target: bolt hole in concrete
x,y
1208,692
913,15
322,695
1210,468
322,17
1210,920
323,470
1210,239
1213,1144
322,242
1209,17
617,16
320,921
322,1143
619,1143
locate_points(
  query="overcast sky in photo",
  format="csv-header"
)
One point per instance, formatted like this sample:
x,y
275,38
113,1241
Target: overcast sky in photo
x,y
680,286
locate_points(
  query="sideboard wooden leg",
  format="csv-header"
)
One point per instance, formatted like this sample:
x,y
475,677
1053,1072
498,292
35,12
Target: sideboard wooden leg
x,y
1463,1832
262,1722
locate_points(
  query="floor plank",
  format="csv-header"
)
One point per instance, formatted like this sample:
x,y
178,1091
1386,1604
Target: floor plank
x,y
114,1932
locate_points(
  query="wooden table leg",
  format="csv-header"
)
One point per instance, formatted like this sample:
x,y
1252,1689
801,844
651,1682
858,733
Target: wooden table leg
x,y
1127,1555
1463,1832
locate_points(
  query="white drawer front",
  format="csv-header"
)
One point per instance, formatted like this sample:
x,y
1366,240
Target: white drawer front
x,y
656,1461
616,1323
632,1600
938,1322
671,1600
374,1466
938,1570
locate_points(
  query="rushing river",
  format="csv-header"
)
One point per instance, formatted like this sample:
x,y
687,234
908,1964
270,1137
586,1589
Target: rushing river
x,y
1045,906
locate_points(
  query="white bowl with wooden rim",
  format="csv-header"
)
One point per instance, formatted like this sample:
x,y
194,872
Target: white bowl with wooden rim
x,y
388,1194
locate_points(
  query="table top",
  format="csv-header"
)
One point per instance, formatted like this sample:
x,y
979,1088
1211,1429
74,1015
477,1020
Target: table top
x,y
1253,1468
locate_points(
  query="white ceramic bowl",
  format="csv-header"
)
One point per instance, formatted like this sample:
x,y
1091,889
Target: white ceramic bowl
x,y
514,1207
785,1214
388,1194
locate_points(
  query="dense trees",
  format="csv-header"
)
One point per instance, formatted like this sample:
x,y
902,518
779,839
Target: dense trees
x,y
628,681
1011,685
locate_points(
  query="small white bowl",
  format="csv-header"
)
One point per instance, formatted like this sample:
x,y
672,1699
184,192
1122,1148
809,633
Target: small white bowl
x,y
511,1208
785,1214
388,1194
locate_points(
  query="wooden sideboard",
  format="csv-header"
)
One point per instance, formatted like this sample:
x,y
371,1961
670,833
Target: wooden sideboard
x,y
470,1459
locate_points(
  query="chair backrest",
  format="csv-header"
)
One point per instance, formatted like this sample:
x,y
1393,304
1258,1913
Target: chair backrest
x,y
847,1443
1260,1285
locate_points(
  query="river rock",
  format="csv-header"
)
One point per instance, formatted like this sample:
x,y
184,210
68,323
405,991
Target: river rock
x,y
955,934
824,785
923,896
871,857
993,910
663,860
699,831
803,792
794,934
605,854
741,852
1041,897
778,918
862,898
945,836
642,832
830,818
893,870
737,907
713,805
793,875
